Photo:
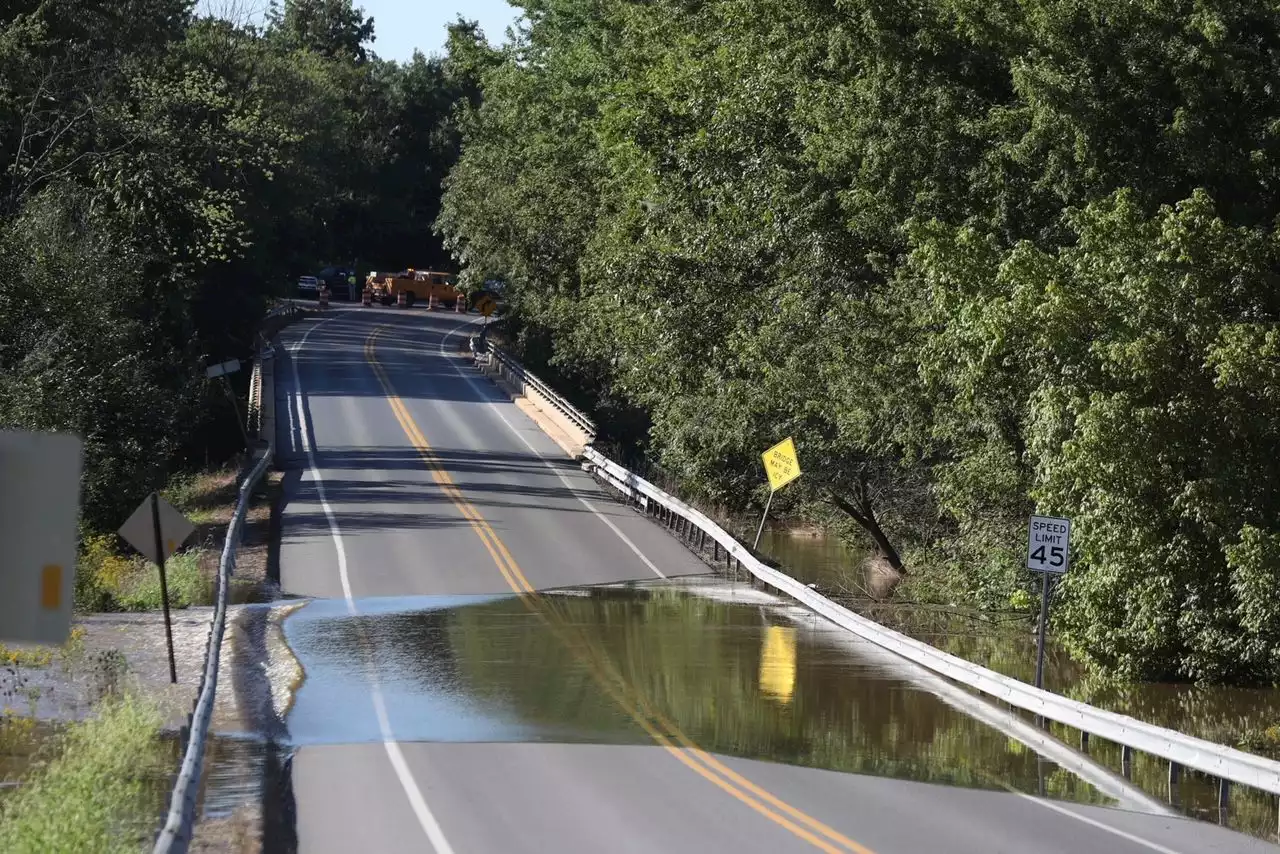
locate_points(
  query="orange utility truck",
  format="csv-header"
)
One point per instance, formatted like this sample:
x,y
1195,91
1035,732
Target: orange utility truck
x,y
415,285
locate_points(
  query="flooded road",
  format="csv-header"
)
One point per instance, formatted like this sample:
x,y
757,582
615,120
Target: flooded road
x,y
739,679
435,709
1007,645
739,672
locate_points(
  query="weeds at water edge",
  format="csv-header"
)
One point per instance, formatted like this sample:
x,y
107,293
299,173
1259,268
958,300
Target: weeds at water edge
x,y
100,789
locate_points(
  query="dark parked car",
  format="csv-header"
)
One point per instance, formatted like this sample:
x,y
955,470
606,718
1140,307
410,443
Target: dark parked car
x,y
335,278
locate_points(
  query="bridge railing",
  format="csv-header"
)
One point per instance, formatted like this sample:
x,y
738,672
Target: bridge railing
x,y
175,834
480,346
1227,764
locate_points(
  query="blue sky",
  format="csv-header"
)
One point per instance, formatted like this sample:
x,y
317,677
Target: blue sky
x,y
402,25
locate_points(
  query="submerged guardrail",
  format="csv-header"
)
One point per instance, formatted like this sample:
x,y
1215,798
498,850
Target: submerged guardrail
x,y
1227,764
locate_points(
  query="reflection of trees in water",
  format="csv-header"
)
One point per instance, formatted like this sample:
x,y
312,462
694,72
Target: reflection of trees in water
x,y
698,662
1216,713
507,656
413,647
1220,714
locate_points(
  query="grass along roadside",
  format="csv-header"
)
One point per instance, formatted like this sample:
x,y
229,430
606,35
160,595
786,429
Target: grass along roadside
x,y
97,785
109,577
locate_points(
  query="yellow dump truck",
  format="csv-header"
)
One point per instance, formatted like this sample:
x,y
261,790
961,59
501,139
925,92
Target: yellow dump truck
x,y
415,285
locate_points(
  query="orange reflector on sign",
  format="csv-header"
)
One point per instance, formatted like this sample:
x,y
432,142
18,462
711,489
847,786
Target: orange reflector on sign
x,y
51,587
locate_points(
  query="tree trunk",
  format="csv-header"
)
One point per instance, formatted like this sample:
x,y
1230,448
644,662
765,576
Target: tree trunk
x,y
864,514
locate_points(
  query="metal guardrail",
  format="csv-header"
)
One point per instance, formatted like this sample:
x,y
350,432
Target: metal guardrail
x,y
287,307
175,836
254,425
1181,750
577,417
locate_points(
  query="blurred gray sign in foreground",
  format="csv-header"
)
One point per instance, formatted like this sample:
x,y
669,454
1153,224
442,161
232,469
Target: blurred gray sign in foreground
x,y
139,530
39,512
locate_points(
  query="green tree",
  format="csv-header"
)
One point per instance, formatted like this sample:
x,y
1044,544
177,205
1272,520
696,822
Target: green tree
x,y
728,222
333,28
162,173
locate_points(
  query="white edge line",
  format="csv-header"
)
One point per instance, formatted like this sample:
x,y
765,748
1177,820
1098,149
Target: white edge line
x,y
572,490
426,819
1136,840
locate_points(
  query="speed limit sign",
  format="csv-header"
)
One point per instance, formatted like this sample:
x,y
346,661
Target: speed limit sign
x,y
1048,544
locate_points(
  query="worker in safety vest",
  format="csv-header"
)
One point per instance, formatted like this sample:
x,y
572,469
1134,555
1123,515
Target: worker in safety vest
x,y
351,286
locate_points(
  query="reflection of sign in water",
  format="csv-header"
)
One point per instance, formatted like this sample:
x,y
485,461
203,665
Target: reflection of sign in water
x,y
781,463
778,663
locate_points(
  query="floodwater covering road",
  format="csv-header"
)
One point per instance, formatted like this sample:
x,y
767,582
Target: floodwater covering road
x,y
498,657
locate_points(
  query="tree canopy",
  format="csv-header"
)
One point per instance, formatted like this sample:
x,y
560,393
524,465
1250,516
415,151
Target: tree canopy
x,y
981,259
162,175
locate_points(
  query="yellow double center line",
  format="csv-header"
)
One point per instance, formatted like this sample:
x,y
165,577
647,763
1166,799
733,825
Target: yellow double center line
x,y
637,706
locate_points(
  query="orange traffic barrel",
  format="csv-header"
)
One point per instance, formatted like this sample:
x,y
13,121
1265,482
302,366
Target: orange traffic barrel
x,y
402,301
324,298
366,298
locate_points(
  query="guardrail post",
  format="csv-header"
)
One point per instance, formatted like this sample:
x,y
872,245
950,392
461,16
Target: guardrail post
x,y
1224,796
1225,764
1175,778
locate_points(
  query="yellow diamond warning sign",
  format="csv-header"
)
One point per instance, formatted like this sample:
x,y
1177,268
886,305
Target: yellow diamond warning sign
x,y
781,464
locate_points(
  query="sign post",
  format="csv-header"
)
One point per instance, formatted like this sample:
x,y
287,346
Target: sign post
x,y
1048,553
782,466
157,529
221,370
164,585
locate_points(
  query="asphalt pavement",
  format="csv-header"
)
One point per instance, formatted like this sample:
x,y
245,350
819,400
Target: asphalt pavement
x,y
408,474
